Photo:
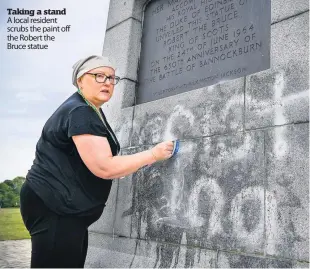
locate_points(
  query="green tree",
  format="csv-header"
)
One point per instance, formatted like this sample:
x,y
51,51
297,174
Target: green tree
x,y
10,191
18,182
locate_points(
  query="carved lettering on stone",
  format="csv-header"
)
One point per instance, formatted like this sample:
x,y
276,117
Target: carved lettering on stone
x,y
189,44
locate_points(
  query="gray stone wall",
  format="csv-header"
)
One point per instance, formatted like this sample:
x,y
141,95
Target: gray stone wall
x,y
237,194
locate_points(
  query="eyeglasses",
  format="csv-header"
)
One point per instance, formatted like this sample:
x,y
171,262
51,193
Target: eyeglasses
x,y
102,78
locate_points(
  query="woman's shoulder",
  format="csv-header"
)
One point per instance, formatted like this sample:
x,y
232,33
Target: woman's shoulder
x,y
73,103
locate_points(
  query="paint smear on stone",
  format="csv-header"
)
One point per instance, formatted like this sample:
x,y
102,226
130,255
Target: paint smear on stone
x,y
247,215
211,188
271,223
179,123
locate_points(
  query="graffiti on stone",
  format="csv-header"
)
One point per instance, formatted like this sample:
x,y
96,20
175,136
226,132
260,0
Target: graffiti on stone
x,y
219,111
213,194
179,123
153,127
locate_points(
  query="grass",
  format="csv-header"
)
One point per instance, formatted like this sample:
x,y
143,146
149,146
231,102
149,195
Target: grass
x,y
11,225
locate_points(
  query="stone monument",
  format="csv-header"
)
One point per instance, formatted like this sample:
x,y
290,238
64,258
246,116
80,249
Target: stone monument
x,y
230,80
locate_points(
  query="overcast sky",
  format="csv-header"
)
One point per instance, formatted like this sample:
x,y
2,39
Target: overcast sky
x,y
34,83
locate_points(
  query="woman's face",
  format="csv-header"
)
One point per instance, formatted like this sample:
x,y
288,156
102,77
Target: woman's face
x,y
97,92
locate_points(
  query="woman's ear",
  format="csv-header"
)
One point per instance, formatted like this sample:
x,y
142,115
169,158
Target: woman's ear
x,y
79,83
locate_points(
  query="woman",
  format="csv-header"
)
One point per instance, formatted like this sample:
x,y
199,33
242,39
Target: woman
x,y
76,158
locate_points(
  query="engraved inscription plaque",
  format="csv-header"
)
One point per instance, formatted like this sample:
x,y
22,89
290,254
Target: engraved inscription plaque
x,y
189,44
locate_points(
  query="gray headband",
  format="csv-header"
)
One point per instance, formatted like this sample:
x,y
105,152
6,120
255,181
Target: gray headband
x,y
84,65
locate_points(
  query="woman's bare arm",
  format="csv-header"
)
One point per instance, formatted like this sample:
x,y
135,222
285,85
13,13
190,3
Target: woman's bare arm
x,y
96,153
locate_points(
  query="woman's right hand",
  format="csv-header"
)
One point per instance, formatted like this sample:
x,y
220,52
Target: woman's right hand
x,y
162,151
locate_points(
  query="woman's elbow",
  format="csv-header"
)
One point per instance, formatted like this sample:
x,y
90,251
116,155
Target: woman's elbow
x,y
105,172
107,175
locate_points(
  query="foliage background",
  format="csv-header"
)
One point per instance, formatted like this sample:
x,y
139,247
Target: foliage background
x,y
9,192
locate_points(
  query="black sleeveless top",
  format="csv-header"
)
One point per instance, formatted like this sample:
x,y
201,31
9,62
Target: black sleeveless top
x,y
58,175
